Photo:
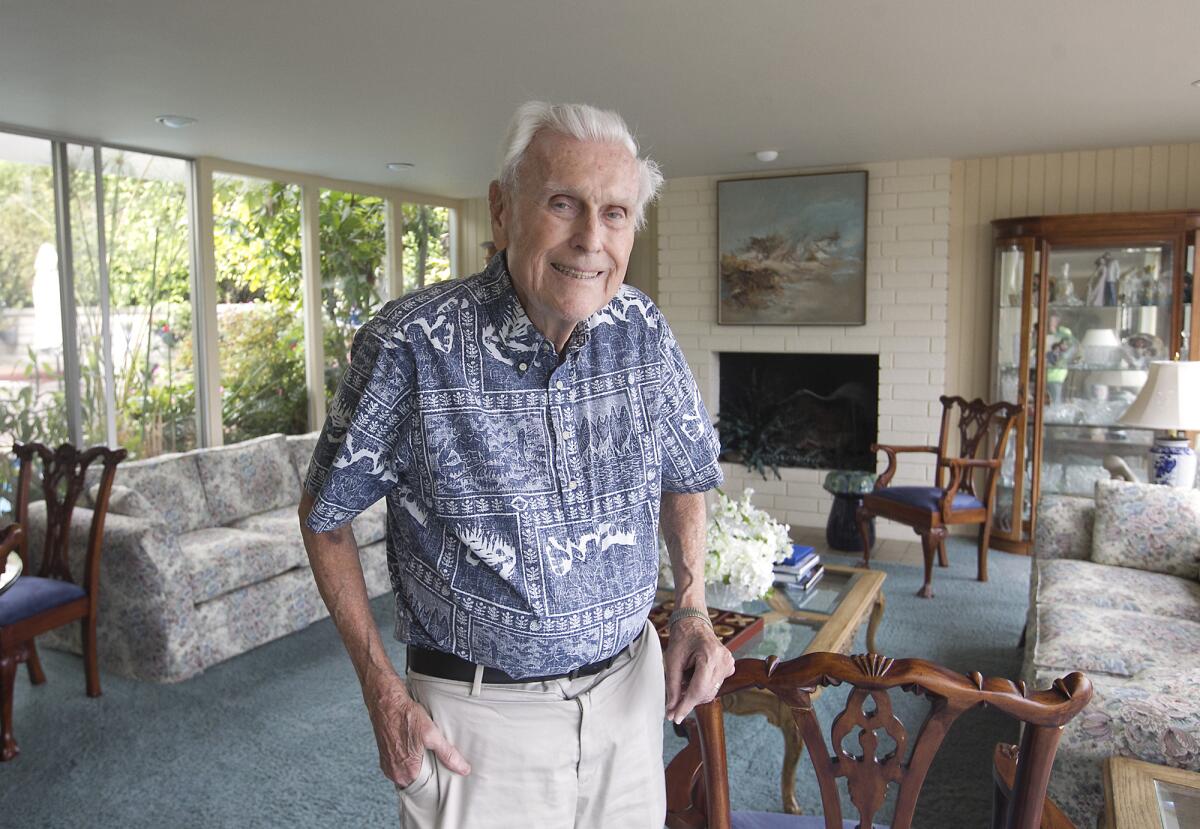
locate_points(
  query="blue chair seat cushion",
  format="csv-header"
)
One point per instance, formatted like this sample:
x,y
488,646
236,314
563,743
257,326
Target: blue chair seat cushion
x,y
31,595
926,497
779,820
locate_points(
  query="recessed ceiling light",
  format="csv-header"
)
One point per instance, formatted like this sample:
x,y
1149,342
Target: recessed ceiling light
x,y
400,166
767,155
175,121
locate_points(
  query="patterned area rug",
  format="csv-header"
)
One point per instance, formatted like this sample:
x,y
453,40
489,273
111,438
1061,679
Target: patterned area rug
x,y
279,736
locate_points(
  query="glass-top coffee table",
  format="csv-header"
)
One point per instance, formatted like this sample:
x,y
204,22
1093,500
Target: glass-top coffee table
x,y
825,619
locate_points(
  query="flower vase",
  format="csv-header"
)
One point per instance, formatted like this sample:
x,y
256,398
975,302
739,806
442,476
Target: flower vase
x,y
722,596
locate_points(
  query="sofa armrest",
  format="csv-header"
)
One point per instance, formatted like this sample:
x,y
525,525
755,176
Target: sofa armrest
x,y
1064,527
146,617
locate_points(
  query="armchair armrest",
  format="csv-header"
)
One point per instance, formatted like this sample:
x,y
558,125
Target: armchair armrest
x,y
1064,527
958,468
146,618
892,451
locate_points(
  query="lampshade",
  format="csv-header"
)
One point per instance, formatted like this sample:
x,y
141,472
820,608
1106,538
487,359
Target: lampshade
x,y
1169,400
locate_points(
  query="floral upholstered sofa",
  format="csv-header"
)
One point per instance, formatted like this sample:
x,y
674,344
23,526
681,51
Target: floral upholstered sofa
x,y
203,558
1115,593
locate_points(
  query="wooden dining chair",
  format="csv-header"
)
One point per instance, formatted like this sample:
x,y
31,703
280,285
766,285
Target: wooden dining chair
x,y
697,777
954,498
50,598
1004,775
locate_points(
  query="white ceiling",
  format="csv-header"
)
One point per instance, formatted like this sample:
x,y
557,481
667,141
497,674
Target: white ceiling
x,y
342,86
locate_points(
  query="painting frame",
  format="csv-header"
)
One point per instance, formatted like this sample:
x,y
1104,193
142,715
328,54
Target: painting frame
x,y
791,249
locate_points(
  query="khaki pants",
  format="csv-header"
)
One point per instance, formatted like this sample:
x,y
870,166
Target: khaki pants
x,y
562,754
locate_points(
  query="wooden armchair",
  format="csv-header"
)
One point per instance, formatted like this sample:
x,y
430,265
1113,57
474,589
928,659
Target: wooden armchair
x,y
953,499
50,598
697,777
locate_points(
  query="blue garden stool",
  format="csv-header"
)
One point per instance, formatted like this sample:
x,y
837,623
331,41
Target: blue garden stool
x,y
848,486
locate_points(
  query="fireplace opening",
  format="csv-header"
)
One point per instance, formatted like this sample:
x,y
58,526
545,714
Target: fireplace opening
x,y
816,411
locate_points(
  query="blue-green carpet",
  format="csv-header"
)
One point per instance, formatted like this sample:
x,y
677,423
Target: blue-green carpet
x,y
279,736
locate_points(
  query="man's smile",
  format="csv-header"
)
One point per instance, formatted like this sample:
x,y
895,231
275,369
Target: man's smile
x,y
575,273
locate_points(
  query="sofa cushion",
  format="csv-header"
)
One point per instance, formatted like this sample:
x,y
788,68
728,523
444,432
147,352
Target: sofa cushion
x,y
281,522
369,526
300,448
1063,581
1147,526
221,559
1073,637
248,477
125,501
171,485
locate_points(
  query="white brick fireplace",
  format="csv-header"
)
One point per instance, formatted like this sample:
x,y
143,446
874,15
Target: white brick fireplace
x,y
908,232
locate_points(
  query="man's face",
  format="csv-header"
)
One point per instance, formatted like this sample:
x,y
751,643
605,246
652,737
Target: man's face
x,y
568,229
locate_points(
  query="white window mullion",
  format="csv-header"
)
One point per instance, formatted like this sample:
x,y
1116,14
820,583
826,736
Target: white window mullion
x,y
110,385
314,340
66,293
394,267
206,354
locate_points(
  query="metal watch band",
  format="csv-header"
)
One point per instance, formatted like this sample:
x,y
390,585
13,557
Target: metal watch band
x,y
687,612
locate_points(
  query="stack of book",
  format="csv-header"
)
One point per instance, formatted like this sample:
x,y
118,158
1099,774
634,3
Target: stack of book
x,y
801,570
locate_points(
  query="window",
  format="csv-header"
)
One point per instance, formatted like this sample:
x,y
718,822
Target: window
x,y
426,245
32,403
353,273
148,243
260,325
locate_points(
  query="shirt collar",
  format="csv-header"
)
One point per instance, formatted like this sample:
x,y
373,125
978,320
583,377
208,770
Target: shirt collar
x,y
515,334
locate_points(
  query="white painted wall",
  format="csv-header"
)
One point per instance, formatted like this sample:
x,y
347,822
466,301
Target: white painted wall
x,y
908,232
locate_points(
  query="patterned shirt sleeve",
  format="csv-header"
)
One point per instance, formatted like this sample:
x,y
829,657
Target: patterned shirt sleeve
x,y
355,462
687,439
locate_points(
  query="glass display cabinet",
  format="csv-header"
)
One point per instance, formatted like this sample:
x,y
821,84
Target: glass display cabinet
x,y
1083,305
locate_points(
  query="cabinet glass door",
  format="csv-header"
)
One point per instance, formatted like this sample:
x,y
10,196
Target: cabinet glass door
x,y
1189,279
1108,315
1014,370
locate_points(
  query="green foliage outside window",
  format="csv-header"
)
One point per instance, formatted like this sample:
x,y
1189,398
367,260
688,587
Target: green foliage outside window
x,y
259,296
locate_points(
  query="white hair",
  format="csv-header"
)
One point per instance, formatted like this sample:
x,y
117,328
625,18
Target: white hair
x,y
583,123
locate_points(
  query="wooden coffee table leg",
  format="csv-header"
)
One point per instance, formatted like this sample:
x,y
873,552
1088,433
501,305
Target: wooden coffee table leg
x,y
793,750
873,625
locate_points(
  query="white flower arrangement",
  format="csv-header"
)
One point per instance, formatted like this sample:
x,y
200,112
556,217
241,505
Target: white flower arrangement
x,y
743,545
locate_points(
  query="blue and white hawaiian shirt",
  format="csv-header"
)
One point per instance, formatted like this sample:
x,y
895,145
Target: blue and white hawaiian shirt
x,y
522,490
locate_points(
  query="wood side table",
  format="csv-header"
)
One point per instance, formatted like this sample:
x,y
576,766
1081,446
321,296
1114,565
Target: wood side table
x,y
1141,795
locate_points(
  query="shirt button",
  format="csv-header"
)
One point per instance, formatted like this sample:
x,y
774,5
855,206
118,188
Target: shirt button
x,y
574,484
559,385
523,366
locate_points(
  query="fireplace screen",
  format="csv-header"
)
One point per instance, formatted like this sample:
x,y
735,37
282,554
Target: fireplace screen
x,y
817,411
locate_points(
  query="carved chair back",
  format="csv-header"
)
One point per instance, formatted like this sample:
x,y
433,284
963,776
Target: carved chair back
x,y
698,790
63,478
982,429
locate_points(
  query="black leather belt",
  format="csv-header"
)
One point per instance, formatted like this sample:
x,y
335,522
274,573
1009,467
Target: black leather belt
x,y
448,666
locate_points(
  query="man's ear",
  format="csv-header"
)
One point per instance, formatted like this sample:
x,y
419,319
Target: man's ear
x,y
501,213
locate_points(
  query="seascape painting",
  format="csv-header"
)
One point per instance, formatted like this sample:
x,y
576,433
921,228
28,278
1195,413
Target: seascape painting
x,y
793,250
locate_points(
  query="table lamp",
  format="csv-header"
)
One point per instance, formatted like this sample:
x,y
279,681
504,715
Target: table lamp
x,y
1169,401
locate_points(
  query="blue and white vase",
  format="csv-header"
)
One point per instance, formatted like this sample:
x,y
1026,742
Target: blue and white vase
x,y
1174,462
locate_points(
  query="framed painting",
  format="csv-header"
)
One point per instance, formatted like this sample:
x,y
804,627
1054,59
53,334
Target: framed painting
x,y
793,250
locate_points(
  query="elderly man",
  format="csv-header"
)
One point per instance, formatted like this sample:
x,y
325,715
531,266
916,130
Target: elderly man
x,y
526,425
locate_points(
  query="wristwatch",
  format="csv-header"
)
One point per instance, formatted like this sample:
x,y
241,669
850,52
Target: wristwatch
x,y
687,613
